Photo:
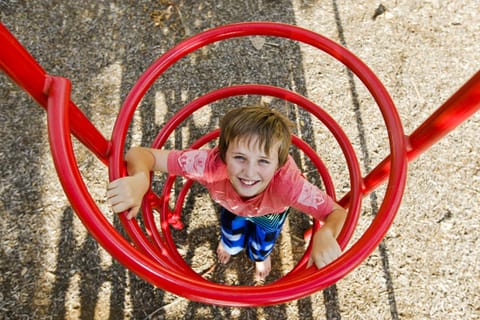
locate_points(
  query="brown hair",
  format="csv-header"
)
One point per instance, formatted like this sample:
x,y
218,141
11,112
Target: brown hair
x,y
268,125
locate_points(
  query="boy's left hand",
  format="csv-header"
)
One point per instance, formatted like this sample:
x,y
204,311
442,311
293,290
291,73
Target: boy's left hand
x,y
325,248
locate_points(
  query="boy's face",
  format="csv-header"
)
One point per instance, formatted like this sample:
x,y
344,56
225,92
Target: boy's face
x,y
250,170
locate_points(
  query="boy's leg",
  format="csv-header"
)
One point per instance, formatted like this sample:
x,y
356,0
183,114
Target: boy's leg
x,y
233,230
260,245
261,241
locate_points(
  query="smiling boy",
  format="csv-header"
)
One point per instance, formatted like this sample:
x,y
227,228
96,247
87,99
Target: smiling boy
x,y
253,178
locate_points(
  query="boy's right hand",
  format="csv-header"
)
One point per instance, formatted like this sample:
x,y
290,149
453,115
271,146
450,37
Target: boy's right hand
x,y
127,193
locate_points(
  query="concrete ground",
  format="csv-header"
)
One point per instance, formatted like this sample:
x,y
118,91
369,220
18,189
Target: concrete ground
x,y
427,267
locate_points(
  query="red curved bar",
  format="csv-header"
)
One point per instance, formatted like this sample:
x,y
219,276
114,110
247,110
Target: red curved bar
x,y
307,281
107,236
58,91
174,122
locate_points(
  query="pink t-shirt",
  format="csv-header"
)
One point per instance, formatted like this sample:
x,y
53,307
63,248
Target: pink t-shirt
x,y
288,187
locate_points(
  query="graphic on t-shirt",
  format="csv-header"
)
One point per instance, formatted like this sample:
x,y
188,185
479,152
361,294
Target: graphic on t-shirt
x,y
193,162
310,196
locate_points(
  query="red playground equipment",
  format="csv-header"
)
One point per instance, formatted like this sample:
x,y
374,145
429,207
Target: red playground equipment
x,y
153,254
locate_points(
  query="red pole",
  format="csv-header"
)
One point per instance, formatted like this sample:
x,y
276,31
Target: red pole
x,y
24,70
458,108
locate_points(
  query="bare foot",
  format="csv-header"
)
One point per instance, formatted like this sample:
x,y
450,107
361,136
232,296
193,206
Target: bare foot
x,y
222,255
262,269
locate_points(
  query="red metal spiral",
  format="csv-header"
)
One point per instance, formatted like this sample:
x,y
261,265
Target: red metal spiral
x,y
300,281
154,256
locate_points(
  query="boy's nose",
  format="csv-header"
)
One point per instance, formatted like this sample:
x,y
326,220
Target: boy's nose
x,y
250,170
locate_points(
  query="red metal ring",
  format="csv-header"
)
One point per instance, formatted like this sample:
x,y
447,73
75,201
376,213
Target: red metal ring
x,y
309,282
264,90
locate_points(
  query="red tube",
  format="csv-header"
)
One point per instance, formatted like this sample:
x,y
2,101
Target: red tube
x,y
307,281
22,68
216,95
459,107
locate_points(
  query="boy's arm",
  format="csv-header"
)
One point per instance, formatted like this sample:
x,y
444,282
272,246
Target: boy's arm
x,y
140,159
335,220
325,247
127,193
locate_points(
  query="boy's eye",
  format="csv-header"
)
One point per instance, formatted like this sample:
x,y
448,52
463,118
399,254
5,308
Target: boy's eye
x,y
264,161
239,158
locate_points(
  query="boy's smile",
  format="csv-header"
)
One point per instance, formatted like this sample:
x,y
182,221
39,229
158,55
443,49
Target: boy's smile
x,y
249,169
248,182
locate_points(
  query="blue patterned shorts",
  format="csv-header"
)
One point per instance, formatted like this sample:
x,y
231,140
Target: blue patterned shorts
x,y
255,234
